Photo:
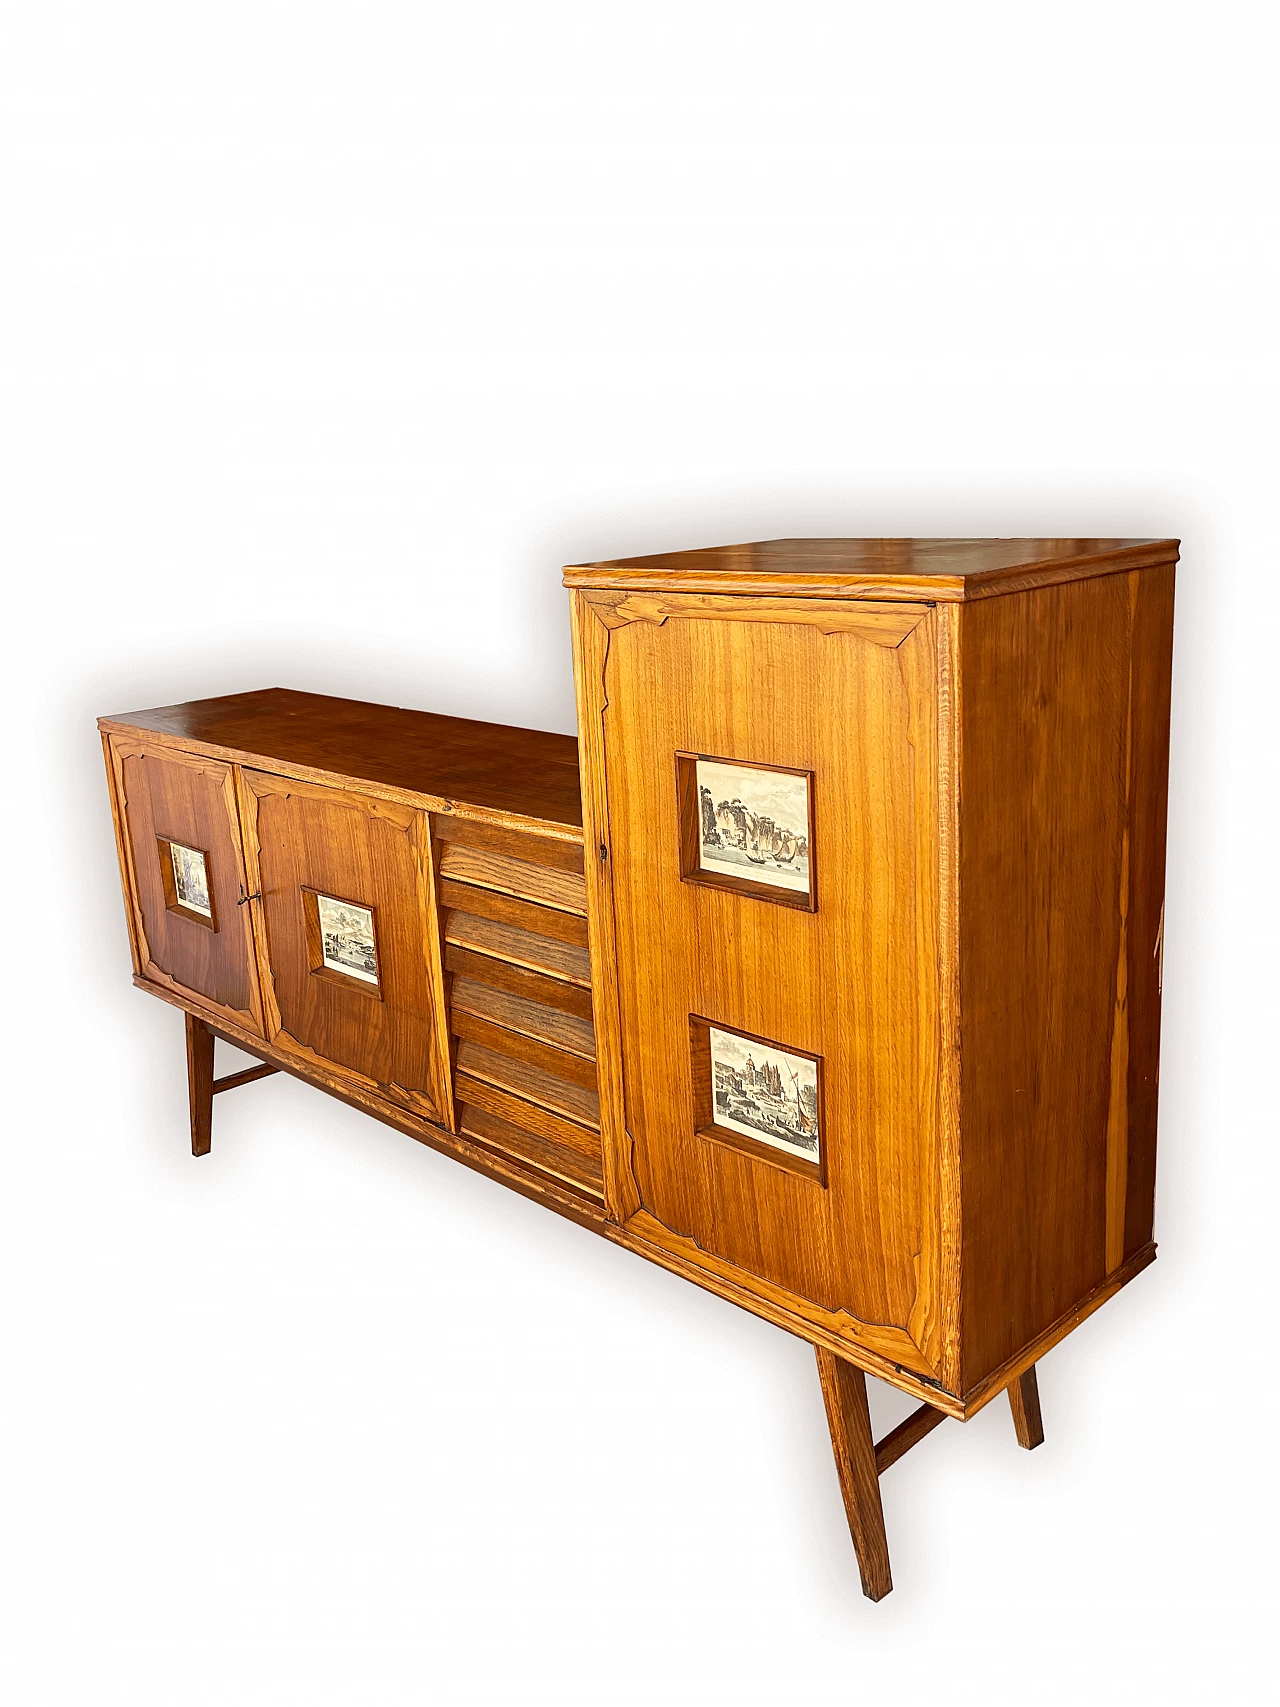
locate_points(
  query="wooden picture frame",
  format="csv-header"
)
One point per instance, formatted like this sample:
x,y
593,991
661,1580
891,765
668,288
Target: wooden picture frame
x,y
173,902
707,1125
689,812
367,986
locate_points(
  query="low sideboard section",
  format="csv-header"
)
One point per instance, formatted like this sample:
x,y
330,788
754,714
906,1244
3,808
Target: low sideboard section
x,y
306,878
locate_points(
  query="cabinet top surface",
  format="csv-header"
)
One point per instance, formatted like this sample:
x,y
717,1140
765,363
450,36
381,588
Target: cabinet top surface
x,y
528,773
950,569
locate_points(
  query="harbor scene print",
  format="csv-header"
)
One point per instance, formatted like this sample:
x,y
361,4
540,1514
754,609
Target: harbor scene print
x,y
754,824
346,936
190,879
765,1093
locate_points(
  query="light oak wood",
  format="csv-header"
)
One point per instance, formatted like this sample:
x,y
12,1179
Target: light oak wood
x,y
167,796
1024,1402
522,779
511,910
926,570
1046,711
869,1246
882,625
591,639
557,846
522,1078
123,856
844,1393
530,1019
577,1167
495,1094
560,1063
301,839
549,887
500,974
1064,732
518,947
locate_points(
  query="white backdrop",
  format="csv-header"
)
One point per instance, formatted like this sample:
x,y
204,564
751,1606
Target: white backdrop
x,y
329,333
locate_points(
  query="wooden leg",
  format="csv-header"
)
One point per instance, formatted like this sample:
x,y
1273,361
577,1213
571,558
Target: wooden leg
x,y
844,1391
200,1084
1024,1402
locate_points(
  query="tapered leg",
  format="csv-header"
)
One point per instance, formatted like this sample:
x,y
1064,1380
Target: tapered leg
x,y
200,1084
1024,1402
844,1391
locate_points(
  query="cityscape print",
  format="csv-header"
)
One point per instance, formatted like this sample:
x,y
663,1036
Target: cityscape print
x,y
765,1093
190,879
754,824
346,936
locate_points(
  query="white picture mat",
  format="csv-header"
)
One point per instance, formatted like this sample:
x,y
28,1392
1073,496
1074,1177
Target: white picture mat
x,y
780,1123
346,938
190,879
778,796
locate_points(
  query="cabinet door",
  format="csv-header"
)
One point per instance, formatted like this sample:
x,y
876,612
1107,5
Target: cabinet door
x,y
774,818
349,938
185,877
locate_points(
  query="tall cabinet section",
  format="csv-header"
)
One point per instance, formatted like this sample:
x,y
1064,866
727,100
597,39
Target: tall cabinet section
x,y
877,911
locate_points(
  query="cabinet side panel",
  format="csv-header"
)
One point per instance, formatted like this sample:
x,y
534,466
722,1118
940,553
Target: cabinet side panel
x,y
1061,858
1152,672
122,854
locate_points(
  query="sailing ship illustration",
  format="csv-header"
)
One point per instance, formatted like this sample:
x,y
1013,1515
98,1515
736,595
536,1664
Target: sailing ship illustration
x,y
803,1119
733,825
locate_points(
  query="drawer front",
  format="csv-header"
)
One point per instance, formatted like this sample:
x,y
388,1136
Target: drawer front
x,y
520,1009
349,937
185,877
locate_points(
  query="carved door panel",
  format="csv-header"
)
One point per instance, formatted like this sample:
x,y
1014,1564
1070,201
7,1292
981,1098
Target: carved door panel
x,y
349,938
185,877
774,830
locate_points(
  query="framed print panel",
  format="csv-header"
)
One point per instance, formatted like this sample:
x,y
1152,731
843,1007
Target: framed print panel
x,y
758,1096
184,866
747,827
350,937
184,877
342,940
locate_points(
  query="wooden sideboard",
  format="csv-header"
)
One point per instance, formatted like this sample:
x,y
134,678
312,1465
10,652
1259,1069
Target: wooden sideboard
x,y
832,983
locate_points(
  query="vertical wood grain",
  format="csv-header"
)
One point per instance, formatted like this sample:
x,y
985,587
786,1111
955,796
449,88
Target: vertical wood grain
x,y
1024,1402
950,690
200,1084
301,836
844,1393
590,657
122,854
163,794
1148,816
860,718
1064,730
1118,1106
